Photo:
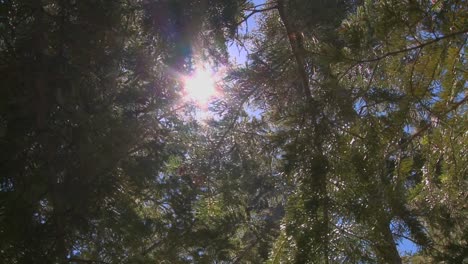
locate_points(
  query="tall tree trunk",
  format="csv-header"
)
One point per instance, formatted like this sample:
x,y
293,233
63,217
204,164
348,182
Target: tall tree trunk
x,y
386,248
295,39
42,90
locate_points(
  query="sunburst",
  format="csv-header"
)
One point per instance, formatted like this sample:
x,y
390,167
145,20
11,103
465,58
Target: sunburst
x,y
200,86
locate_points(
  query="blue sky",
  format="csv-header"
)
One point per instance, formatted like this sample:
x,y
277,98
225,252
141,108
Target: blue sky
x,y
239,54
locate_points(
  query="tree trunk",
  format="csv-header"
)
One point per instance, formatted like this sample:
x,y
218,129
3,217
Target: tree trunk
x,y
386,248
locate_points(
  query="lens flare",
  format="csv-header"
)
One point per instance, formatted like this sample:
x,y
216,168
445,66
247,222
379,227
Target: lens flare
x,y
200,86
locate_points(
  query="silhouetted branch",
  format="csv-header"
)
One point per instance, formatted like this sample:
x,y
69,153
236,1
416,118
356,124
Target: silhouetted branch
x,y
78,260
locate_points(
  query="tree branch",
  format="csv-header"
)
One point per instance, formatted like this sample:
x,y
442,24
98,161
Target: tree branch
x,y
78,260
427,126
253,12
422,45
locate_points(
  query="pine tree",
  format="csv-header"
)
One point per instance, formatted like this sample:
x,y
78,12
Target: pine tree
x,y
343,135
86,118
349,97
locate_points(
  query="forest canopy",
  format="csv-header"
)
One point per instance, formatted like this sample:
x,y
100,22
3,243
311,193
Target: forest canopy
x,y
128,134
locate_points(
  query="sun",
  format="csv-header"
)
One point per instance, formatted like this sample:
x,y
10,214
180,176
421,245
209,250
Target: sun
x,y
200,86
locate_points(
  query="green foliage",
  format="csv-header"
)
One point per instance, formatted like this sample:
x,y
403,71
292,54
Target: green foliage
x,y
383,81
87,122
344,134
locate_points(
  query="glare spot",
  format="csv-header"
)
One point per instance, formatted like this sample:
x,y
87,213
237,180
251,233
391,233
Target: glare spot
x,y
200,86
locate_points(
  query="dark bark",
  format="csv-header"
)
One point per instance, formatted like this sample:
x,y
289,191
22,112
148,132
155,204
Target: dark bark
x,y
386,249
295,38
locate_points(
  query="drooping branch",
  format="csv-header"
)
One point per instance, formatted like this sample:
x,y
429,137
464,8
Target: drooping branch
x,y
234,119
421,131
420,46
